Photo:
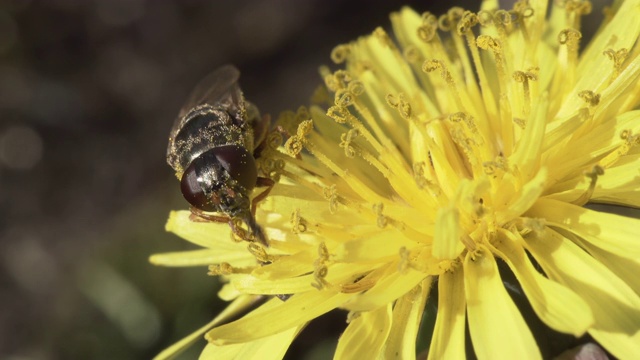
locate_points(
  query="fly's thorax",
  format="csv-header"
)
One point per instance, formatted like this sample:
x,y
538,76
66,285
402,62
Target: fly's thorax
x,y
203,129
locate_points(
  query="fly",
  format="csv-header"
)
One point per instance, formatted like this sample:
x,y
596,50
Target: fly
x,y
213,147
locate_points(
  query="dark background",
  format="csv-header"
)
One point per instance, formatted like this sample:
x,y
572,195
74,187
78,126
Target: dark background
x,y
88,93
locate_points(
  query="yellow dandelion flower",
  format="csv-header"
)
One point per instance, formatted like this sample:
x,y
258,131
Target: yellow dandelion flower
x,y
457,141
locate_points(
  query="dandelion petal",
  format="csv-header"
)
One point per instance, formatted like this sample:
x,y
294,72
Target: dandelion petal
x,y
270,347
407,314
615,306
490,309
610,232
365,336
279,317
448,334
560,308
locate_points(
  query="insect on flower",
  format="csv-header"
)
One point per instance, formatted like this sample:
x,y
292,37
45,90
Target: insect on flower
x,y
213,146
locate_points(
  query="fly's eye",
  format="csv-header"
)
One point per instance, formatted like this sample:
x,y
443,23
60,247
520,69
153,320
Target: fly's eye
x,y
239,163
192,191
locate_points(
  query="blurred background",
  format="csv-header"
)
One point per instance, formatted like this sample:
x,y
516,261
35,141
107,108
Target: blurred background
x,y
88,93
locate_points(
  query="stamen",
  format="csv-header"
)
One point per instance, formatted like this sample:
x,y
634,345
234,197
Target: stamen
x,y
331,193
429,28
340,53
381,220
630,140
468,242
346,140
486,91
299,224
468,21
383,37
448,21
320,269
539,226
221,269
565,75
418,175
433,65
259,252
575,9
524,10
294,144
485,18
343,98
352,315
593,176
487,42
524,78
570,38
358,286
356,87
412,54
338,114
618,58
240,233
400,104
338,80
590,97
405,260
319,273
474,255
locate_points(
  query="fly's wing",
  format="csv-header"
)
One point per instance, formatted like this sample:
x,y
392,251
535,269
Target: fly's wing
x,y
214,87
219,86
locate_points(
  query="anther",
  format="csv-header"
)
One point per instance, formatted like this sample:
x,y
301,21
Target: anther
x,y
418,175
383,37
340,53
411,54
331,194
405,259
590,97
485,18
302,114
629,141
343,98
596,171
299,224
504,17
523,8
357,286
259,252
433,65
579,7
346,140
399,103
429,28
618,57
356,87
448,21
570,38
220,269
469,20
318,275
468,242
475,254
338,114
524,78
381,220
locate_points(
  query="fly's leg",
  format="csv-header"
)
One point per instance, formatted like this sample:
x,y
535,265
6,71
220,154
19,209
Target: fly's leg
x,y
262,181
198,215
